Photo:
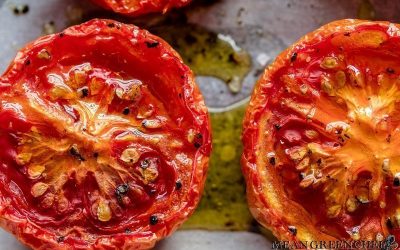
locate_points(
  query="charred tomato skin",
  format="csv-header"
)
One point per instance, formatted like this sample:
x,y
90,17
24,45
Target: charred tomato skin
x,y
141,7
146,110
279,194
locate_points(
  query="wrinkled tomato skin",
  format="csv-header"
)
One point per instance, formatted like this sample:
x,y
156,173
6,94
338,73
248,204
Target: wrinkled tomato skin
x,y
367,53
100,182
141,7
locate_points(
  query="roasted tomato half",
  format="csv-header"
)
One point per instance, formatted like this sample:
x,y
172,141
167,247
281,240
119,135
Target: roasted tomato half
x,y
104,140
141,7
322,136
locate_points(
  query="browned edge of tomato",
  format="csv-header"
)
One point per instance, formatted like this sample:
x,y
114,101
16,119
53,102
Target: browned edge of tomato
x,y
105,140
141,7
321,136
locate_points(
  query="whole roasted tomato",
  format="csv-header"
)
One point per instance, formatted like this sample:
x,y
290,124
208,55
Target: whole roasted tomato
x,y
322,134
104,140
141,7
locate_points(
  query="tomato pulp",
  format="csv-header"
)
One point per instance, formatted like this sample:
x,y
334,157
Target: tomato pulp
x,y
105,140
321,136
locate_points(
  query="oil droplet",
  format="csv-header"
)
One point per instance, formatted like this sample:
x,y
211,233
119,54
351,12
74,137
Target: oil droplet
x,y
208,53
224,206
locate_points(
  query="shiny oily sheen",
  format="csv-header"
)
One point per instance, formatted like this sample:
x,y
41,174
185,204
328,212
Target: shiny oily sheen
x,y
93,156
321,136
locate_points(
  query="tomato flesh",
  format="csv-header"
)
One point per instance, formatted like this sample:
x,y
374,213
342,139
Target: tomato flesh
x,y
141,7
324,126
95,137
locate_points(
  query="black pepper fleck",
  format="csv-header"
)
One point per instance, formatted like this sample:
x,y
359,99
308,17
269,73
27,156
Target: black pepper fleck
x,y
178,185
61,35
128,230
396,181
390,70
388,138
152,44
95,154
74,152
85,92
293,57
277,126
153,220
28,62
21,9
122,189
292,230
389,223
197,144
111,25
60,239
126,111
272,161
145,164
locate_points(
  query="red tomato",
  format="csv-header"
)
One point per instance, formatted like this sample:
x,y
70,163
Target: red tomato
x,y
105,140
141,7
321,136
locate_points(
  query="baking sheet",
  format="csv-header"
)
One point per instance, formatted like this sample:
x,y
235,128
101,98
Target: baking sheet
x,y
261,27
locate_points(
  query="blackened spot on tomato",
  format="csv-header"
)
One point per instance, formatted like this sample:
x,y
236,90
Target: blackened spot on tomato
x,y
390,70
277,126
21,9
126,111
111,25
180,95
272,161
60,239
396,181
178,185
292,230
61,35
197,144
346,34
95,154
152,44
293,57
199,136
27,62
128,230
153,220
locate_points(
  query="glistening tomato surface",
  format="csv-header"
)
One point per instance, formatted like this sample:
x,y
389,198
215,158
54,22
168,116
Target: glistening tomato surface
x,y
104,140
141,7
322,136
